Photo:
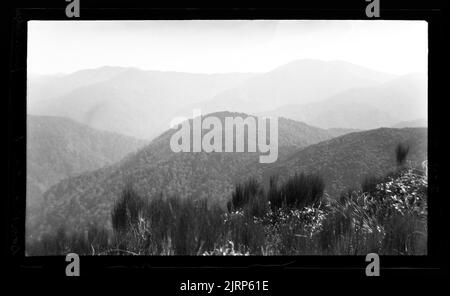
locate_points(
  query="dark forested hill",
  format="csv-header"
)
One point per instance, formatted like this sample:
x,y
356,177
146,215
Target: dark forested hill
x,y
58,148
156,170
346,160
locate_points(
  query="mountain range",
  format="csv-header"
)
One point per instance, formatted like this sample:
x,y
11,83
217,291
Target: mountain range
x,y
128,101
343,159
142,103
92,132
298,82
401,99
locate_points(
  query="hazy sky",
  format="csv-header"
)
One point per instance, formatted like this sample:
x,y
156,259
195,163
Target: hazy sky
x,y
398,47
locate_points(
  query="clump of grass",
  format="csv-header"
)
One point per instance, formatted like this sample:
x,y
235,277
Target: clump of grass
x,y
249,195
298,191
127,209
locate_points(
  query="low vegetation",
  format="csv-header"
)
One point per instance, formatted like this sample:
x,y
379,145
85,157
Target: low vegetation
x,y
388,215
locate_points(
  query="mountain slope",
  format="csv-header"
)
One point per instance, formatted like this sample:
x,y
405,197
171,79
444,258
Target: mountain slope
x,y
44,87
344,161
401,99
128,101
142,103
156,170
421,122
58,148
298,82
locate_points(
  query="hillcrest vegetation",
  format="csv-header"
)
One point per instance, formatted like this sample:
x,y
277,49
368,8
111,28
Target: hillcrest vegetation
x,y
386,215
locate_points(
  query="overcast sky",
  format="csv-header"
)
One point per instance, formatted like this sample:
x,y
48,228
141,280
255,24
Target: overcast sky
x,y
398,47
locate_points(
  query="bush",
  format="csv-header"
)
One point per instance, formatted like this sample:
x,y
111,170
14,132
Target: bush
x,y
93,241
127,210
299,191
249,196
390,219
243,193
401,152
351,228
247,235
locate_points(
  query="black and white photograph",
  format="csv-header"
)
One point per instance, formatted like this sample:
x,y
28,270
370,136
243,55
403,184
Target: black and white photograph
x,y
227,137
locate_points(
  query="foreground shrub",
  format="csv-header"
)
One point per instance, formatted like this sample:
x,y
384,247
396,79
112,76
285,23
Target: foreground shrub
x,y
127,210
401,152
298,191
351,228
389,219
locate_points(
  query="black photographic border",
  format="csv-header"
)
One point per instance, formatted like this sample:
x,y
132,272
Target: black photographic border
x,y
435,263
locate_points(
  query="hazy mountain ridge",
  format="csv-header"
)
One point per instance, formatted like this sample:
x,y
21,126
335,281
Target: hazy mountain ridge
x,y
421,122
402,99
44,87
126,100
336,132
300,81
142,103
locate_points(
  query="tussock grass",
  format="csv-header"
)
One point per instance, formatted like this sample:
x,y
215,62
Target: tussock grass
x,y
388,216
